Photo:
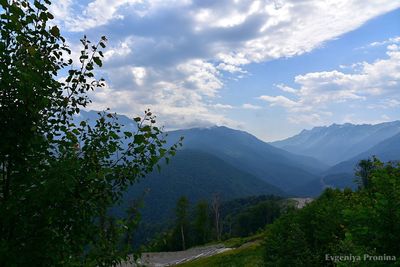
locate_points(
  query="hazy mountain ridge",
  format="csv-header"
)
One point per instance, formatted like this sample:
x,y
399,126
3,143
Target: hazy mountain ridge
x,y
335,143
194,174
290,172
387,150
240,149
91,116
273,165
342,174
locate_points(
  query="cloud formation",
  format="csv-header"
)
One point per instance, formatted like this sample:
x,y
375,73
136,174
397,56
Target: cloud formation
x,y
379,80
251,106
174,56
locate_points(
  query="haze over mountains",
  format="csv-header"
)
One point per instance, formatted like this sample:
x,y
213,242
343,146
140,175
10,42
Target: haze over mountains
x,y
234,164
300,165
247,153
198,176
338,142
344,146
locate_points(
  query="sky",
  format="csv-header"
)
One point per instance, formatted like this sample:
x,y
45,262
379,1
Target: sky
x,y
269,67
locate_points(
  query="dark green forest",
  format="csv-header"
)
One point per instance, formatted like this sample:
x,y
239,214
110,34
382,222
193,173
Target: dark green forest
x,y
339,228
213,221
362,223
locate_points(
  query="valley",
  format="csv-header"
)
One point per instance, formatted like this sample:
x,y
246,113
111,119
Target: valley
x,y
234,164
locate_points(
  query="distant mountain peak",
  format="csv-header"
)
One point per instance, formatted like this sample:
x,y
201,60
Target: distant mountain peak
x,y
338,142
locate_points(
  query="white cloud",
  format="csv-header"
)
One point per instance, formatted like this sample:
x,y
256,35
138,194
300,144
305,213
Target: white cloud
x,y
222,106
378,81
61,9
202,76
280,101
96,13
251,106
139,74
307,25
77,17
353,118
122,49
286,88
172,55
385,104
175,107
393,103
393,40
386,117
230,68
308,119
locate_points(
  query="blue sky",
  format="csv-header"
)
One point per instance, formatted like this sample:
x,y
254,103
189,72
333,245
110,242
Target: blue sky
x,y
271,68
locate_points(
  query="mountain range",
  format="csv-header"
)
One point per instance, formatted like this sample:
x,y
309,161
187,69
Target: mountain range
x,y
233,163
338,142
380,140
198,176
249,154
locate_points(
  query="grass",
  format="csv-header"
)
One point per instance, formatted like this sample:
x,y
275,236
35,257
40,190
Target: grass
x,y
238,241
248,255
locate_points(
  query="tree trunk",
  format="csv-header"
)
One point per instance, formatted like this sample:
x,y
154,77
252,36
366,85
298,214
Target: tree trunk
x,y
215,205
183,238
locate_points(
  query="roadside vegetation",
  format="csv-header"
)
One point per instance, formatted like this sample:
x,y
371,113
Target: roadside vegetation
x,y
246,256
232,222
361,225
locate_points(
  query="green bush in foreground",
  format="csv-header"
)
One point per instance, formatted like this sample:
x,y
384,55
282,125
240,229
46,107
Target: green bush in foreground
x,y
58,179
363,224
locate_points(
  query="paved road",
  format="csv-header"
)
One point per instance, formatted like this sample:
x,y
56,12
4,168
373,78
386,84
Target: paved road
x,y
161,259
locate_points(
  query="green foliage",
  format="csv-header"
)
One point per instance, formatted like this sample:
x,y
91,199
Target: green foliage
x,y
58,179
236,242
358,223
246,216
179,235
182,219
364,170
255,218
286,244
375,212
186,175
239,218
202,223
